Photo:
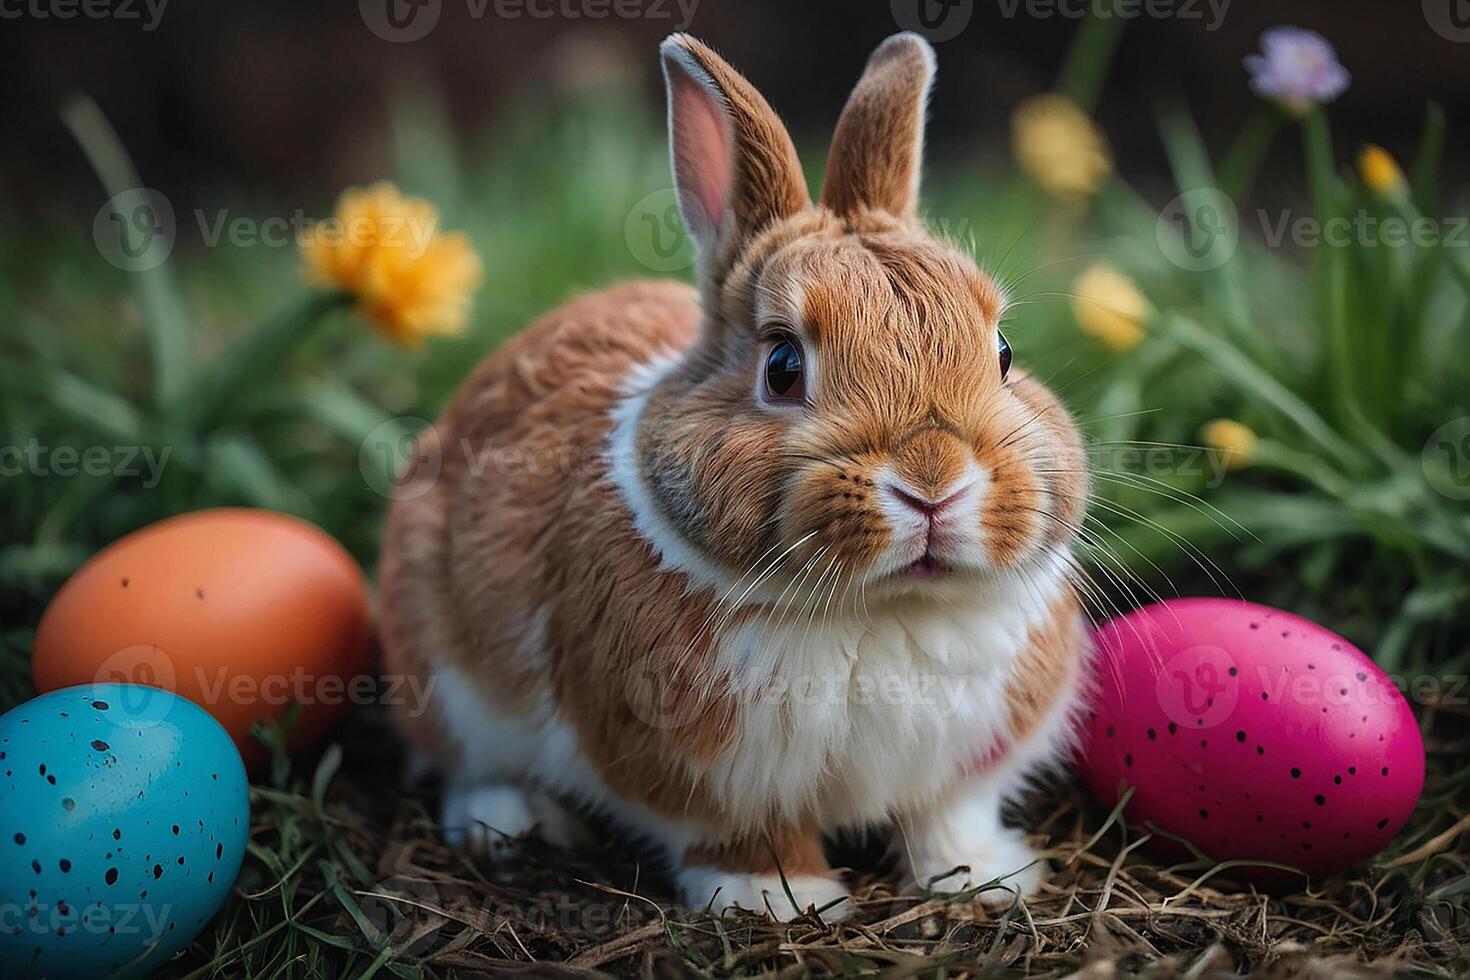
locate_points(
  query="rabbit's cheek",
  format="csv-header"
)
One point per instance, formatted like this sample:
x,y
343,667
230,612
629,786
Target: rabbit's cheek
x,y
835,505
1014,516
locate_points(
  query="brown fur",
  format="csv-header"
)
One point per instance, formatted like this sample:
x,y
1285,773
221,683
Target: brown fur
x,y
791,851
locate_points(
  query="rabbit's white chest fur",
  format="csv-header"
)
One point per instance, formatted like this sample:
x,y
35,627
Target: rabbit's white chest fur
x,y
854,719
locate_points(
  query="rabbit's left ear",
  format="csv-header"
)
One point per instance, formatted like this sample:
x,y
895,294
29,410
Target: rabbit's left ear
x,y
878,149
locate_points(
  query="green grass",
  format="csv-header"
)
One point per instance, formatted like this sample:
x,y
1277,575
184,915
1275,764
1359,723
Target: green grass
x,y
1344,360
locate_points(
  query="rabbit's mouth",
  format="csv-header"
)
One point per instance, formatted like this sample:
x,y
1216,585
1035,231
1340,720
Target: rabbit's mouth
x,y
925,566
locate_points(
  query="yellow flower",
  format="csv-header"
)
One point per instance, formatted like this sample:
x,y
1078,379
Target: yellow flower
x,y
1235,441
1109,307
410,280
1380,171
1060,147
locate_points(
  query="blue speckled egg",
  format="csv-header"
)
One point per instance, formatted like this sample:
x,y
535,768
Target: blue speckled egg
x,y
123,817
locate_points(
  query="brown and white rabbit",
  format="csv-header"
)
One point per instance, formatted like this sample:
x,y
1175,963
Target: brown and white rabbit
x,y
743,565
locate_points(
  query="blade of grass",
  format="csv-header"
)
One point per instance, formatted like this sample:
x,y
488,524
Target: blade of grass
x,y
163,307
1091,54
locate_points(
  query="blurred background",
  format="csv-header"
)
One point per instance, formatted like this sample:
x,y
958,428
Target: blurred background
x,y
536,127
276,100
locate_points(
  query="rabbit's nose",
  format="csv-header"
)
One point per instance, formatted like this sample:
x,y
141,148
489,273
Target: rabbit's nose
x,y
926,506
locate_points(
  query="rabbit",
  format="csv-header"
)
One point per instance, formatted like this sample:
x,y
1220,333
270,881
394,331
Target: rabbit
x,y
743,564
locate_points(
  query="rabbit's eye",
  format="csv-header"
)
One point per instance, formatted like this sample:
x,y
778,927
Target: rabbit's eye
x,y
784,381
1005,355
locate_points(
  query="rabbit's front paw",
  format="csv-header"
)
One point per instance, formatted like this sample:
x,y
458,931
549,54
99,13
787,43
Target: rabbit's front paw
x,y
723,890
486,820
489,818
1004,858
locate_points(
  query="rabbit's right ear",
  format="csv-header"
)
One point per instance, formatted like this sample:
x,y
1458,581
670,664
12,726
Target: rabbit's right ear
x,y
735,168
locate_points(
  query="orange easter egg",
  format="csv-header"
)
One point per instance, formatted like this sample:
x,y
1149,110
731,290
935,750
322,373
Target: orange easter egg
x,y
241,611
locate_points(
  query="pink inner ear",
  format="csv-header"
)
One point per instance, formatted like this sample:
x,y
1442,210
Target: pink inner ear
x,y
703,159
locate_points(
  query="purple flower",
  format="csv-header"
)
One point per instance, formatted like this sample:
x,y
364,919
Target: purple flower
x,y
1297,68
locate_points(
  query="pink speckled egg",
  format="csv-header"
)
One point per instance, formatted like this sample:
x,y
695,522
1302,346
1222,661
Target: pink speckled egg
x,y
1252,733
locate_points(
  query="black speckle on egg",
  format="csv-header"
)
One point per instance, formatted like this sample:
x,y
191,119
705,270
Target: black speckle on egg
x,y
1383,823
63,908
1173,728
1296,773
157,871
100,745
100,705
1260,750
111,876
1352,770
1240,736
51,780
1255,626
1204,742
1320,800
20,839
1128,759
1306,825
1337,780
1110,732
41,769
1151,736
1384,771
1309,666
36,866
1232,671
125,583
65,866
1260,818
181,860
1306,846
219,851
1361,676
1204,814
117,833
210,879
176,830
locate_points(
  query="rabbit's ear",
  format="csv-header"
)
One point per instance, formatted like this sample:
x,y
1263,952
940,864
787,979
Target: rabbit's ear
x,y
735,167
878,148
